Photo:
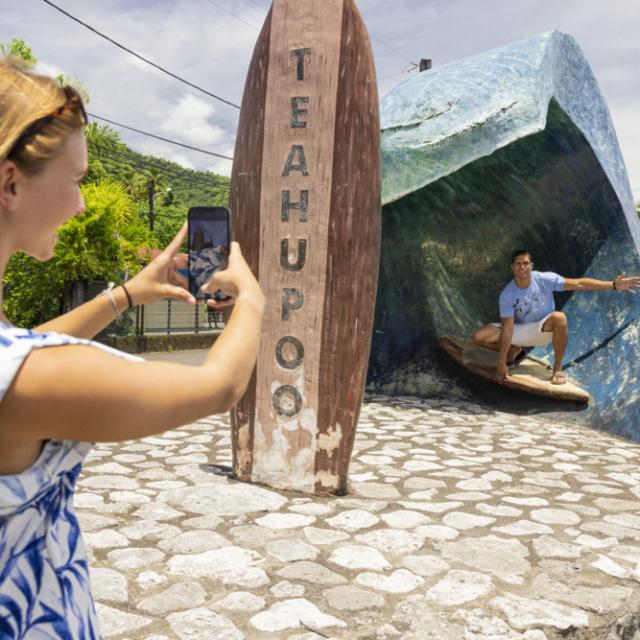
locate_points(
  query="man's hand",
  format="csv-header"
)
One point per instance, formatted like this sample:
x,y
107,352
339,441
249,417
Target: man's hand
x,y
627,284
502,372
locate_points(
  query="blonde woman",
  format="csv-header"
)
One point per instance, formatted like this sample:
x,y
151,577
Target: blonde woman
x,y
59,391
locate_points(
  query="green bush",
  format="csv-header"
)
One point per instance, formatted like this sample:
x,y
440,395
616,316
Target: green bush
x,y
101,244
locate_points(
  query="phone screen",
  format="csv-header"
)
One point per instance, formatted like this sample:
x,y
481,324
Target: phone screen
x,y
209,238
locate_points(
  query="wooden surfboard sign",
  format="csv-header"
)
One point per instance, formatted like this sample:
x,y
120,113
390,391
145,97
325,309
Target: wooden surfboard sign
x,y
306,206
529,376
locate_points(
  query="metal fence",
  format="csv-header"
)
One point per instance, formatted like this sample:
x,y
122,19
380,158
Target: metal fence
x,y
165,317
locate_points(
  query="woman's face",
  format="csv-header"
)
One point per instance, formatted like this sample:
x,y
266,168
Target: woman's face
x,y
50,198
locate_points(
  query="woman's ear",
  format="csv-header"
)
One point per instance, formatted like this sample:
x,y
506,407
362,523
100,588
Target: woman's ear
x,y
9,176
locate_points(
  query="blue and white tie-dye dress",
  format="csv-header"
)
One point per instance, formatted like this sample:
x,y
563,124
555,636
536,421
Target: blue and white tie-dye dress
x,y
44,578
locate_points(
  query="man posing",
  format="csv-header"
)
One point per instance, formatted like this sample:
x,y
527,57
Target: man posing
x,y
528,315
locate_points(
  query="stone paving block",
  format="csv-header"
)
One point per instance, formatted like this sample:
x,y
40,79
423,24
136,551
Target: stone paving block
x,y
400,581
108,585
114,622
482,541
354,556
291,613
134,558
194,542
287,550
503,558
353,520
459,587
526,612
349,598
179,596
242,601
311,572
199,623
224,500
600,600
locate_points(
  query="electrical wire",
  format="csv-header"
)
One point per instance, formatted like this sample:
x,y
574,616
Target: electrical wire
x,y
137,55
413,64
126,161
153,135
384,44
233,15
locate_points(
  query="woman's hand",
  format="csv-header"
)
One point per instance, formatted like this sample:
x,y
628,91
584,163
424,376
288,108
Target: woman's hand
x,y
235,281
160,278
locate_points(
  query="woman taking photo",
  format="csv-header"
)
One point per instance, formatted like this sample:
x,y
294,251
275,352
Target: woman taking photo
x,y
60,392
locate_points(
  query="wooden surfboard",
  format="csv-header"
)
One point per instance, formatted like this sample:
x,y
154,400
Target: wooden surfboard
x,y
305,198
529,376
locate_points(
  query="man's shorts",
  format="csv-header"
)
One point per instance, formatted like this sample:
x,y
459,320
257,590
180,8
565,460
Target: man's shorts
x,y
529,334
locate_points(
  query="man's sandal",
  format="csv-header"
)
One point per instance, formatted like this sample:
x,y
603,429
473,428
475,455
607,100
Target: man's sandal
x,y
558,377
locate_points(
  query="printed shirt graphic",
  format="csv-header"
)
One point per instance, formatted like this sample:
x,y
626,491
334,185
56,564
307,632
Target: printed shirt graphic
x,y
44,579
533,303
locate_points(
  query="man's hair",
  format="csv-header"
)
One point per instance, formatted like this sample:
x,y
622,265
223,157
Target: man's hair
x,y
521,252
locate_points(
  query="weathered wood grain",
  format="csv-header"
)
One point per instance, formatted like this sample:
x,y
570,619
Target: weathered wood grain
x,y
353,256
306,200
246,179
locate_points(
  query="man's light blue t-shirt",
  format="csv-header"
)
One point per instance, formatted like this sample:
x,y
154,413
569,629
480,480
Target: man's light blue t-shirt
x,y
533,303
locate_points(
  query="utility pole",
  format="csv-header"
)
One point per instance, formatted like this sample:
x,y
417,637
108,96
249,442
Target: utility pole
x,y
152,194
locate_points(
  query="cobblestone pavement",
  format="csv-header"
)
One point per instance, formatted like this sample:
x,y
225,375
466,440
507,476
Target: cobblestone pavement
x,y
462,523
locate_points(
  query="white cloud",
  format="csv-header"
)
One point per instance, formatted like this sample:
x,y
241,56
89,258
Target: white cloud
x,y
210,48
188,122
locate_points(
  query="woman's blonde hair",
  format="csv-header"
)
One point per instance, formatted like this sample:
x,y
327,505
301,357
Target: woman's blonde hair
x,y
25,97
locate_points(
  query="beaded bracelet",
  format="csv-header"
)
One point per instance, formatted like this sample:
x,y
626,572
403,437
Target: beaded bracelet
x,y
107,293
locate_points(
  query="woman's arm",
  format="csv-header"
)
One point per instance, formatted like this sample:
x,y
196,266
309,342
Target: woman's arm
x,y
89,318
83,393
157,280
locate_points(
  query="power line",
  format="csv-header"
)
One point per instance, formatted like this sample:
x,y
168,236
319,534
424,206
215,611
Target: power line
x,y
178,183
126,160
214,188
384,44
153,135
137,55
140,161
233,15
227,141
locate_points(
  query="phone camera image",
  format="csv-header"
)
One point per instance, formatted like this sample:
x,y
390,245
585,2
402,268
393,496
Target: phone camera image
x,y
208,249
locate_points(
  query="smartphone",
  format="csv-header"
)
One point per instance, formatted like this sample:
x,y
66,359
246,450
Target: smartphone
x,y
209,240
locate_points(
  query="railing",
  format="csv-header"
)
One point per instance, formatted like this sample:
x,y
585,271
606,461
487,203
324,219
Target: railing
x,y
164,317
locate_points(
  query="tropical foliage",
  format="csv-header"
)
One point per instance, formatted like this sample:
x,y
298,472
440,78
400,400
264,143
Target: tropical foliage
x,y
109,240
101,244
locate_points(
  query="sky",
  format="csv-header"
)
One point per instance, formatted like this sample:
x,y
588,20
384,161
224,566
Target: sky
x,y
210,42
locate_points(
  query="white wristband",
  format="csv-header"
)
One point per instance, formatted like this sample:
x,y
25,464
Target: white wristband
x,y
109,295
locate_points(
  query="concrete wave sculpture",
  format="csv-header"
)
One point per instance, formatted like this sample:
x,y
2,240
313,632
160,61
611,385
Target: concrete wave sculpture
x,y
511,148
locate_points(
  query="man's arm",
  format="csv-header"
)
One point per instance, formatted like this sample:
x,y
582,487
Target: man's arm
x,y
621,283
506,335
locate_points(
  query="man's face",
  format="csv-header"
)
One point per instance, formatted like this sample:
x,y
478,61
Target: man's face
x,y
522,266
